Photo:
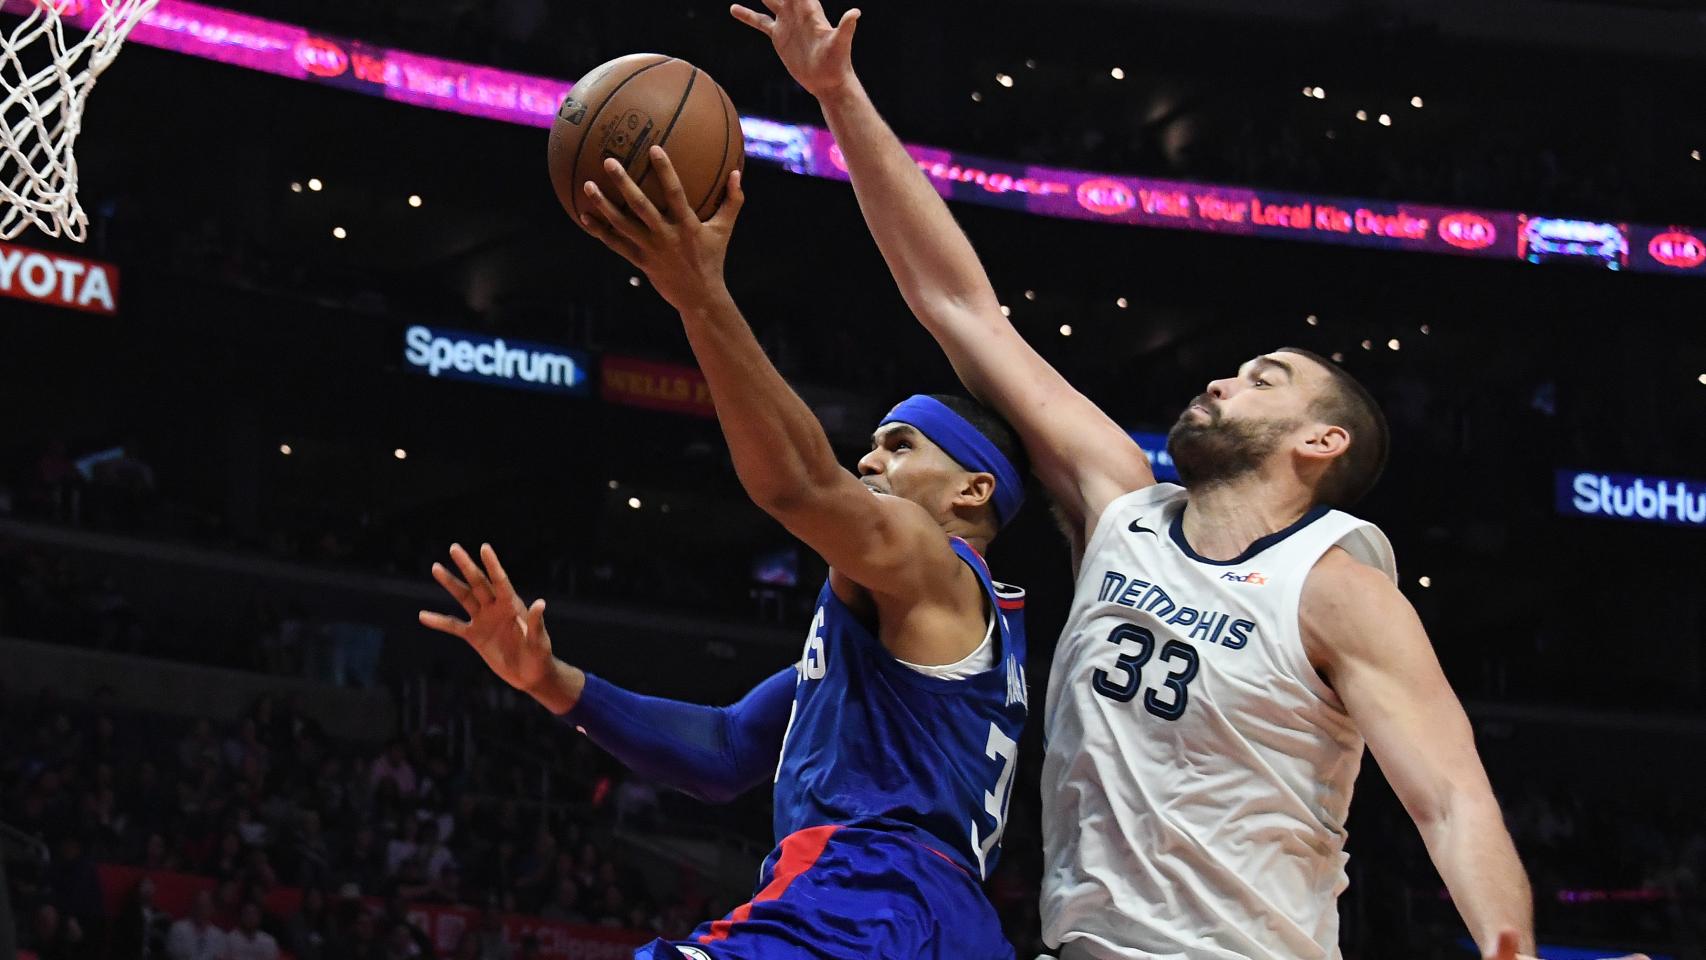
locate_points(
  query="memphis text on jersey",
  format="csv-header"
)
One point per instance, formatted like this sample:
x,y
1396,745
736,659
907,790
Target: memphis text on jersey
x,y
1209,626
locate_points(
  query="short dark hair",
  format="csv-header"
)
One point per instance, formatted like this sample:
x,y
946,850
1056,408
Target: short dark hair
x,y
1347,403
990,424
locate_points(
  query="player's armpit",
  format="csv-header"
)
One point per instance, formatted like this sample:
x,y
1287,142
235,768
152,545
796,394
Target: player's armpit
x,y
1371,648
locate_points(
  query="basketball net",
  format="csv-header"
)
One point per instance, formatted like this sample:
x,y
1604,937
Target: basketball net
x,y
42,112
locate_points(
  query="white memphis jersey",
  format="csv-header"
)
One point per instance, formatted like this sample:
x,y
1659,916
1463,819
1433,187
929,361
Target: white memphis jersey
x,y
1198,770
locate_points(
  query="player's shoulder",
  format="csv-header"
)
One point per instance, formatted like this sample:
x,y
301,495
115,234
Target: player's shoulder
x,y
1341,590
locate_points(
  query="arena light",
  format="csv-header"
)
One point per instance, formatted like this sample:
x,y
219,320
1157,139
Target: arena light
x,y
1004,79
1312,320
1117,73
1006,311
1362,115
1426,330
1416,102
633,281
400,453
1393,344
1702,379
1121,303
1338,357
1368,344
415,200
1386,120
1066,329
1694,153
295,186
1030,295
976,97
1030,64
315,185
340,233
633,503
612,484
1320,94
1425,582
284,448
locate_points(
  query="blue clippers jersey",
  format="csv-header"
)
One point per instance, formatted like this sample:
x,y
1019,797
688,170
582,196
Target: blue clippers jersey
x,y
873,743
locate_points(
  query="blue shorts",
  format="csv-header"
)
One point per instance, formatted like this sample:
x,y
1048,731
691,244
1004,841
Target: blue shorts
x,y
848,893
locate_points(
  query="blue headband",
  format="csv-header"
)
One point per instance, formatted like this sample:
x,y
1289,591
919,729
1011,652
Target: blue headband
x,y
969,448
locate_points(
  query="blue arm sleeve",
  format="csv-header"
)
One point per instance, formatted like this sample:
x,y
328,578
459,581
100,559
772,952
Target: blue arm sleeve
x,y
712,753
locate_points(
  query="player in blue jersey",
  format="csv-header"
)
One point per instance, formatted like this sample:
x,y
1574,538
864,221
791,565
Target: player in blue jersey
x,y
892,742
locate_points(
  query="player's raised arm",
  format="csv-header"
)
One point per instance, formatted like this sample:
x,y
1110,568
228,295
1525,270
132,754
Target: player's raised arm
x,y
713,753
1373,650
888,545
1082,457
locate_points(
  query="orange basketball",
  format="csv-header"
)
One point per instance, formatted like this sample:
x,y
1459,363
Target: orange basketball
x,y
625,106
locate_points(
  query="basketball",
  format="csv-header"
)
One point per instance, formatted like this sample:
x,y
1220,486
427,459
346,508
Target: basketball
x,y
623,107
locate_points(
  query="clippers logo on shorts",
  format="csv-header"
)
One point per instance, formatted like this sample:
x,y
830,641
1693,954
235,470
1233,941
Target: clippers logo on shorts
x,y
692,953
1252,578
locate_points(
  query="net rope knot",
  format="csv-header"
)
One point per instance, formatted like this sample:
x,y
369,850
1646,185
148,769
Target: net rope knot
x,y
42,112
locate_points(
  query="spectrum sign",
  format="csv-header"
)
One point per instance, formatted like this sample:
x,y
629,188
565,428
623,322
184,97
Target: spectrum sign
x,y
507,363
293,51
1626,496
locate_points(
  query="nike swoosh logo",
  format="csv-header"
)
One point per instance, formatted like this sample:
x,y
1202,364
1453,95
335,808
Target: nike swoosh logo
x,y
1137,527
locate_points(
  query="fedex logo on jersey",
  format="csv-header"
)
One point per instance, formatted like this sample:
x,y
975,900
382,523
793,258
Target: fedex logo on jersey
x,y
1253,579
1209,626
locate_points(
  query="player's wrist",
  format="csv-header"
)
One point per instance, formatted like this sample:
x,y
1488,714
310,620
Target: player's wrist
x,y
839,91
560,689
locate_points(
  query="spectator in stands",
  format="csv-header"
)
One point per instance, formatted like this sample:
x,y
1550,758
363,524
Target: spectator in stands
x,y
394,766
76,884
565,903
361,941
54,937
141,929
363,864
309,930
249,941
195,937
490,934
313,856
397,915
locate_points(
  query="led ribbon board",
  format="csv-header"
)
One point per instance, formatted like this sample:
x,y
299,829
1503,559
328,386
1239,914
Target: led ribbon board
x,y
300,54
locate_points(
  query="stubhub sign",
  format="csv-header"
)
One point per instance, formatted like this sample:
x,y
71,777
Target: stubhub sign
x,y
507,363
1625,496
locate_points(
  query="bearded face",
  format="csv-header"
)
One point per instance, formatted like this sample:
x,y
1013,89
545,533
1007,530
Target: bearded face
x,y
1209,448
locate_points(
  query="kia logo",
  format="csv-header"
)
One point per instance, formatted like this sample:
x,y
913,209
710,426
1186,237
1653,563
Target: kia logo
x,y
1467,231
1677,249
1107,197
322,58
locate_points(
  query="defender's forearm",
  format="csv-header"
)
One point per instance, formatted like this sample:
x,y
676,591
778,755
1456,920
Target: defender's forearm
x,y
932,261
1475,857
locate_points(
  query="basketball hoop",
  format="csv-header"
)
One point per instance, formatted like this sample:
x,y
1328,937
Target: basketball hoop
x,y
42,110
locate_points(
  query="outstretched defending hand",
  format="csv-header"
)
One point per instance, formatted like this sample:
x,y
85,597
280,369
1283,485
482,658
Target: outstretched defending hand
x,y
508,634
818,55
681,256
